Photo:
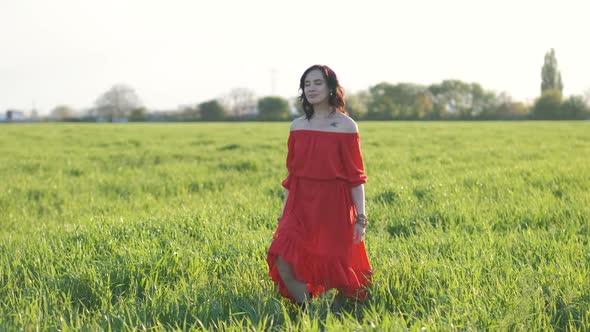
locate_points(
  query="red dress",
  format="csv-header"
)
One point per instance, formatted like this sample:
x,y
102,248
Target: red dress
x,y
315,233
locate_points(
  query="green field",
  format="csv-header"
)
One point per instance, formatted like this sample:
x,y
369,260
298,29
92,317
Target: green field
x,y
474,226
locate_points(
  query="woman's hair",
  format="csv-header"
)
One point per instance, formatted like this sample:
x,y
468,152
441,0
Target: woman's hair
x,y
336,97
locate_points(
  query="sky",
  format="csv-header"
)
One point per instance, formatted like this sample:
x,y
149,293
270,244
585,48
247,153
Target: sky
x,y
181,52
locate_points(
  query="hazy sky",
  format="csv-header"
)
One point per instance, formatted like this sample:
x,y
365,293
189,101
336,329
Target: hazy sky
x,y
177,52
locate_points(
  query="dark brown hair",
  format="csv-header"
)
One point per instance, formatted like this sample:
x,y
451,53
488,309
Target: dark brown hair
x,y
336,97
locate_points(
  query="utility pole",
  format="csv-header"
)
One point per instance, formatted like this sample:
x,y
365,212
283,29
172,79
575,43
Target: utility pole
x,y
273,81
34,113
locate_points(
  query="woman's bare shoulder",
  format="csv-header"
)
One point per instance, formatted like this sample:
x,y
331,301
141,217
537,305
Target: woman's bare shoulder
x,y
348,125
297,123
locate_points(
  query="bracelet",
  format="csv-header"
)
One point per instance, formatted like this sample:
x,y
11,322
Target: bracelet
x,y
361,219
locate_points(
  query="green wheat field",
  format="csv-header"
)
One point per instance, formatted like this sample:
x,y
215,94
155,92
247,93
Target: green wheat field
x,y
474,226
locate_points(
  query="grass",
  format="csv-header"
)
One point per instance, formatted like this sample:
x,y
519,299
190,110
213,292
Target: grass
x,y
474,226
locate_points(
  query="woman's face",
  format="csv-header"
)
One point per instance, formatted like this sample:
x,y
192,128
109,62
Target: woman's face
x,y
315,87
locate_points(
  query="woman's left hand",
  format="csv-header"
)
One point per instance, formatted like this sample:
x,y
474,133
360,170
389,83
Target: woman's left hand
x,y
359,233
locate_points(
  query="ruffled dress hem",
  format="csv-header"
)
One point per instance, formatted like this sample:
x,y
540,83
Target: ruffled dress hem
x,y
312,269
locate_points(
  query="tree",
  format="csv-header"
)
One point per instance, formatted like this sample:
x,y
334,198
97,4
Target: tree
x,y
501,107
575,108
297,105
189,113
63,112
357,104
402,101
240,102
519,110
117,102
548,106
382,104
425,105
413,100
273,109
138,114
458,99
550,75
211,111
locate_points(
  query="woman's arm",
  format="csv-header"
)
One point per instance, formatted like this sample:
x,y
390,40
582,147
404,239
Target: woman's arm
x,y
358,198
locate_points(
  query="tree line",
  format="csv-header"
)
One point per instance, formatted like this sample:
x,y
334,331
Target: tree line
x,y
447,100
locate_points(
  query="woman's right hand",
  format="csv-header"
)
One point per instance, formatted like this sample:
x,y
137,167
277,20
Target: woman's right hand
x,y
359,233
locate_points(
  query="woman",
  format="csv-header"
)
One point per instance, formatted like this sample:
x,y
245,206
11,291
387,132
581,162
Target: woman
x,y
318,244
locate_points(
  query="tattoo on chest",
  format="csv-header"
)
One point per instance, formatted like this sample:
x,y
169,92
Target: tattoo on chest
x,y
334,124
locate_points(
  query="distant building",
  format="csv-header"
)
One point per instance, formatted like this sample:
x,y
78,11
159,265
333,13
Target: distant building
x,y
13,115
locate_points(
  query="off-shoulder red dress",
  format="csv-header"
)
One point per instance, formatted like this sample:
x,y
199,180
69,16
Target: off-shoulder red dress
x,y
315,234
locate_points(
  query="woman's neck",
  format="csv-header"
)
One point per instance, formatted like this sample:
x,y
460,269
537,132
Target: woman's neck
x,y
322,111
